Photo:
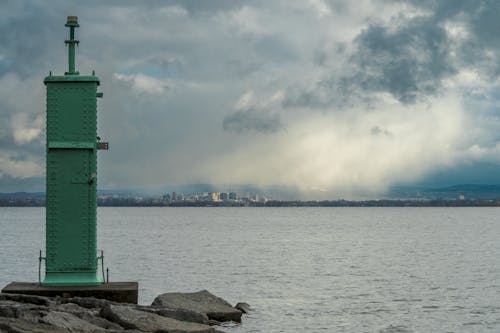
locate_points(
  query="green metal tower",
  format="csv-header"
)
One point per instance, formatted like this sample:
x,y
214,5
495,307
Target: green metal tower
x,y
71,171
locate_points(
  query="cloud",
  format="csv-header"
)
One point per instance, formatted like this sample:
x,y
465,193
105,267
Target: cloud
x,y
142,83
376,130
251,115
21,128
24,129
327,152
15,166
409,61
409,58
252,120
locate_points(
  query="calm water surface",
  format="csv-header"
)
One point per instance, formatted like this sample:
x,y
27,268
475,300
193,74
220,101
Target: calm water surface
x,y
301,269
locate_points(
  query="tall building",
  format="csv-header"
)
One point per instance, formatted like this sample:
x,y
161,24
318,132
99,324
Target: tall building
x,y
213,196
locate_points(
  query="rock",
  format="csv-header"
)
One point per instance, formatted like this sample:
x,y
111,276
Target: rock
x,y
10,308
31,299
85,302
131,318
14,325
27,312
70,317
90,315
69,322
202,301
243,307
179,314
213,322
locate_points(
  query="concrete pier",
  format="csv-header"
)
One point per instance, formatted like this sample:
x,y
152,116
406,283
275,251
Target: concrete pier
x,y
122,292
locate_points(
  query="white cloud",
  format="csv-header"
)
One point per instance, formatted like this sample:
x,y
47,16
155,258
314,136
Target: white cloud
x,y
321,7
24,129
142,83
12,166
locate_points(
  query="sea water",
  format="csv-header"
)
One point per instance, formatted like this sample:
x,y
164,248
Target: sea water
x,y
301,269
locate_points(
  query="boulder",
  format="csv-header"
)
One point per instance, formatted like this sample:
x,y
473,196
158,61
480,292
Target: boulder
x,y
69,322
243,307
213,307
85,302
179,314
90,315
21,326
31,299
130,318
10,308
28,312
69,317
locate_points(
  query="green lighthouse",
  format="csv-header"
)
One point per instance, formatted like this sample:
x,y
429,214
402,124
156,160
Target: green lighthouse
x,y
71,261
71,172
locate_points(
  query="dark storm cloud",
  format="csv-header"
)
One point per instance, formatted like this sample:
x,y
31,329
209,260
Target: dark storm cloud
x,y
252,120
25,40
408,60
196,6
409,57
481,19
331,91
376,131
409,63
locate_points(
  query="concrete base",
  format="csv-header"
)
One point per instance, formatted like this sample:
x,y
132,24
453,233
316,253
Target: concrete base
x,y
123,292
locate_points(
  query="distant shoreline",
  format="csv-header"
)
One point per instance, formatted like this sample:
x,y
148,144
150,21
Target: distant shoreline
x,y
127,202
206,195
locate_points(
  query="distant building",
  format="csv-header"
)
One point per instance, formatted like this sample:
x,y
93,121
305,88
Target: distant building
x,y
166,197
213,196
223,196
461,197
233,196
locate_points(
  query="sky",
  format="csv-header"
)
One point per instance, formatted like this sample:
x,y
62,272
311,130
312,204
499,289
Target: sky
x,y
333,98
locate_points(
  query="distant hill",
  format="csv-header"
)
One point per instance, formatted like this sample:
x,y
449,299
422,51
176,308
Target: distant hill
x,y
280,192
15,195
468,191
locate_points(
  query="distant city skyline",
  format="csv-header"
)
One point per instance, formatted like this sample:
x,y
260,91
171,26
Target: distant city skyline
x,y
455,196
329,98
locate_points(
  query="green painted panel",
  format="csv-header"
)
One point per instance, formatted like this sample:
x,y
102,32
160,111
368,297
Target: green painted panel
x,y
71,111
71,175
71,210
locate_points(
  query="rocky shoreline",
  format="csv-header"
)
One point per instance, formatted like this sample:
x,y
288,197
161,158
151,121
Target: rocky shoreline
x,y
195,312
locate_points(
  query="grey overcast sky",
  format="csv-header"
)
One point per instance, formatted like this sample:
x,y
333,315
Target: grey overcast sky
x,y
328,96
